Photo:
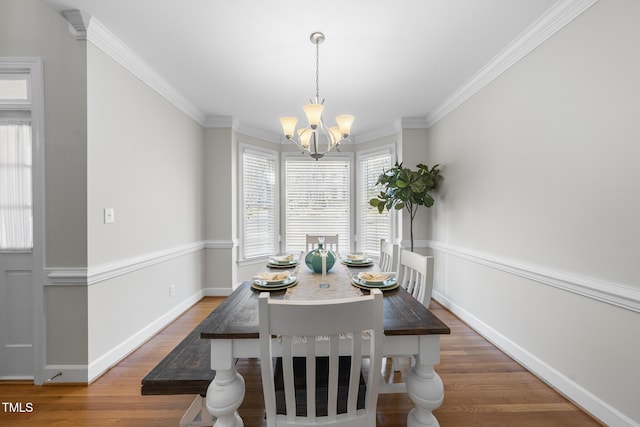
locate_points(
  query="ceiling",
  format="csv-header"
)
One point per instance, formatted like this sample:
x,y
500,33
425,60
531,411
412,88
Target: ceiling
x,y
382,60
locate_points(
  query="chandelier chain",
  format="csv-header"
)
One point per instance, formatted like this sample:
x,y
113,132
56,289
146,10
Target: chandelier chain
x,y
317,72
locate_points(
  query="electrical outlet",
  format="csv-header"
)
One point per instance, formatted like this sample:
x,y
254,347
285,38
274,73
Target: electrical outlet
x,y
172,290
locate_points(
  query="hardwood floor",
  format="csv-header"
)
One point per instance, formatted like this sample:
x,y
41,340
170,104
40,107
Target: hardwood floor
x,y
483,387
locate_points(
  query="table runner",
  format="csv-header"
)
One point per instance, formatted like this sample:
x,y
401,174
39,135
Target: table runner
x,y
308,287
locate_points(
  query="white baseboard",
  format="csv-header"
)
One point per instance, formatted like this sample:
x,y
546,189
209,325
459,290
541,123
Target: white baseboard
x,y
115,355
53,374
582,397
217,292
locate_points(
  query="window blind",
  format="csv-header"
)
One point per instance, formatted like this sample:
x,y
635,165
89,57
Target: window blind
x,y
373,226
317,200
259,211
16,209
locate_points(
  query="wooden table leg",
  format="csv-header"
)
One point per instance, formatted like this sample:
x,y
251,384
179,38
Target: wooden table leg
x,y
424,386
224,396
226,392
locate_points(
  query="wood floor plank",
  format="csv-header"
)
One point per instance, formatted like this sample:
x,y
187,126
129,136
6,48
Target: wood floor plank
x,y
483,387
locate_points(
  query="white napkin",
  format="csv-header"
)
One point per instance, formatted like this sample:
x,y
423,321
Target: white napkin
x,y
284,258
272,277
374,277
356,257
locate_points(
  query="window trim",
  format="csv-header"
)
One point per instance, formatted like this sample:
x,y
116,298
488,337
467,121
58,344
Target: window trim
x,y
17,72
333,156
271,154
394,218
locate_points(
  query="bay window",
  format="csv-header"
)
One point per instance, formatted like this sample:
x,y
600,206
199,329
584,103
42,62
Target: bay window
x,y
298,195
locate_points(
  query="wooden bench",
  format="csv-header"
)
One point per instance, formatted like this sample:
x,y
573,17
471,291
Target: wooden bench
x,y
185,370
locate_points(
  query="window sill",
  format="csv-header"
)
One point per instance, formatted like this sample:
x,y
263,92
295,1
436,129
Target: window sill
x,y
252,261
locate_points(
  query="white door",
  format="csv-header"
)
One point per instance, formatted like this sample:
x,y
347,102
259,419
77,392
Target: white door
x,y
16,221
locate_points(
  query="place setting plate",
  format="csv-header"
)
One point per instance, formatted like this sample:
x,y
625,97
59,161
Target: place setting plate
x,y
274,285
357,260
286,261
368,282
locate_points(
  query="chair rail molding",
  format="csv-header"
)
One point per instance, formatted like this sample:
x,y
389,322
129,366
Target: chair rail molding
x,y
103,272
612,293
221,244
65,276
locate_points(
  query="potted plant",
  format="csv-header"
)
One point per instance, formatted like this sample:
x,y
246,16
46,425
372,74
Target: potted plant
x,y
406,188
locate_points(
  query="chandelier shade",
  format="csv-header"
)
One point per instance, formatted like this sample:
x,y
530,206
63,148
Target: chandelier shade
x,y
344,123
314,114
317,139
288,126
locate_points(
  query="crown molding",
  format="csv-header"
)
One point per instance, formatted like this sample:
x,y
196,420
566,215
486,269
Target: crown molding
x,y
258,133
392,129
78,23
85,27
215,122
220,122
414,123
559,15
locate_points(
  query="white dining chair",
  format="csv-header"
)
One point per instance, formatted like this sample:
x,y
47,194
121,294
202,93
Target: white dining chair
x,y
388,256
412,275
330,241
321,344
413,271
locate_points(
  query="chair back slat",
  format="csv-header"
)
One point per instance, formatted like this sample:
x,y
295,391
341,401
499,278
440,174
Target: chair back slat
x,y
330,241
389,253
356,366
311,376
315,330
332,404
287,370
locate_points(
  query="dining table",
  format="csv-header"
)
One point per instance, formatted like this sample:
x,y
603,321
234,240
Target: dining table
x,y
410,329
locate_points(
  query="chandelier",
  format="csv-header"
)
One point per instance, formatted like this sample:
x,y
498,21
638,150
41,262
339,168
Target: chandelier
x,y
316,138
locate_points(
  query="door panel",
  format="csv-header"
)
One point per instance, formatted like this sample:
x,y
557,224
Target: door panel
x,y
16,316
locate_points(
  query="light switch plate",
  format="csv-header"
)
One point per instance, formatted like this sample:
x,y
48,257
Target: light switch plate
x,y
109,215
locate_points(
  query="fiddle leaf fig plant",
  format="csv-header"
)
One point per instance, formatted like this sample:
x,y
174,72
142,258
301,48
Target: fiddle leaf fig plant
x,y
403,187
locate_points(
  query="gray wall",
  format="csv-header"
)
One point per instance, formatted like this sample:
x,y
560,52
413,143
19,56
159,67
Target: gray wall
x,y
221,199
145,160
110,142
541,195
28,28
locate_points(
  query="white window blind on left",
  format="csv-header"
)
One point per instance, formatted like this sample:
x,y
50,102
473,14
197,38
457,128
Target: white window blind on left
x,y
16,204
259,210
